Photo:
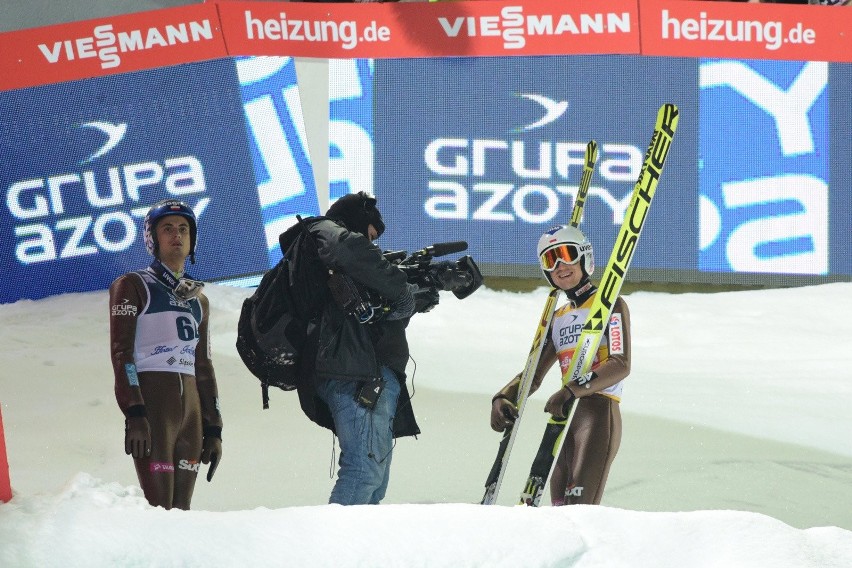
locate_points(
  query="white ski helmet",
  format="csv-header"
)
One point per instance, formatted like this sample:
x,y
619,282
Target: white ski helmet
x,y
160,210
565,244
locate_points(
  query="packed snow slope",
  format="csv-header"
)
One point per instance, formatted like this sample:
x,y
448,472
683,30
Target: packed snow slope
x,y
735,452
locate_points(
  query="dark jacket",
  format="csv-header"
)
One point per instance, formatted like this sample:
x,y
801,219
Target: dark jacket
x,y
340,347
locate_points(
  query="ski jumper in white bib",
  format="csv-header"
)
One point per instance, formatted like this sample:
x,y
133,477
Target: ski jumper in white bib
x,y
594,435
566,328
166,330
161,359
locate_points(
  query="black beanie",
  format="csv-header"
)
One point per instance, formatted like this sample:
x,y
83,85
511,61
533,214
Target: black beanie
x,y
357,211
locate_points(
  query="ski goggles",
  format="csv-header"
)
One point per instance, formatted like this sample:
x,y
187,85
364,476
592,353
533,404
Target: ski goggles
x,y
569,254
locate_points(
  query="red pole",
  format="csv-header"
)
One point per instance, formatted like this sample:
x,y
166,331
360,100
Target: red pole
x,y
5,484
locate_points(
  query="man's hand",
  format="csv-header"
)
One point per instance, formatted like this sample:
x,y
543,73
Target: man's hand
x,y
211,450
560,402
503,413
137,437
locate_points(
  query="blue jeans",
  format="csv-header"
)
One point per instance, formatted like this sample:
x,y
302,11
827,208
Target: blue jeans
x,y
366,439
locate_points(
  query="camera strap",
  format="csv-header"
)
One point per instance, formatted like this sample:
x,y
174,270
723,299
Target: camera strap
x,y
345,293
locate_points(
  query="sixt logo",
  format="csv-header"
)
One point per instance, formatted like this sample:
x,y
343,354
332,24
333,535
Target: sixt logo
x,y
178,302
189,465
106,45
47,231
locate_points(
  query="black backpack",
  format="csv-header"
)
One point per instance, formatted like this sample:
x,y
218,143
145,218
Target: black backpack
x,y
274,322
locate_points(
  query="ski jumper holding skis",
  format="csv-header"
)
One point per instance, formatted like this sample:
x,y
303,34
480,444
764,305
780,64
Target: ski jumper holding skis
x,y
594,435
165,384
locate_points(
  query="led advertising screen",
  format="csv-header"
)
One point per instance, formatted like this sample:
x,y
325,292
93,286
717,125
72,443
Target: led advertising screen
x,y
350,126
490,151
764,172
81,162
278,143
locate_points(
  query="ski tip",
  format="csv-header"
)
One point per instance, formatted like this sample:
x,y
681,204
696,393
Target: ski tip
x,y
592,152
667,119
670,109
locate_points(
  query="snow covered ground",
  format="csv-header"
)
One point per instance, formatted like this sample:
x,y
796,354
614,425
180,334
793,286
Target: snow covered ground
x,y
736,448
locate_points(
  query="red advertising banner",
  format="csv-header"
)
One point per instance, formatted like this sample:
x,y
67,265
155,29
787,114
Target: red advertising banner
x,y
424,29
91,48
746,31
197,32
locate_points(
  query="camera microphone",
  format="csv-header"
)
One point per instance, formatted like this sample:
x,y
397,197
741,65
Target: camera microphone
x,y
440,249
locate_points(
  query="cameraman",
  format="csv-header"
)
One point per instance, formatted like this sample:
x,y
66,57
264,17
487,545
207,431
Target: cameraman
x,y
358,388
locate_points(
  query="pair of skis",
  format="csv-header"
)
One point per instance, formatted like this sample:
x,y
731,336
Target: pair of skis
x,y
593,330
495,477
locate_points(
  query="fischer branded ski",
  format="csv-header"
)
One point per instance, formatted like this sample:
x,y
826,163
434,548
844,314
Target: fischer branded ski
x,y
607,294
495,476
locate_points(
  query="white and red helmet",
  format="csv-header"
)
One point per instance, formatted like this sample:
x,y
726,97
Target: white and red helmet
x,y
565,244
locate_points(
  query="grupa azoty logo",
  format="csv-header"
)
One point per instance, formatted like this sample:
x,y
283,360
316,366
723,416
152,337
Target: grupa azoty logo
x,y
114,133
97,208
525,175
553,111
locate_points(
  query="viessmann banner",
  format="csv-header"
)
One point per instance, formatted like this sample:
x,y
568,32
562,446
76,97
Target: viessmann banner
x,y
537,27
420,29
423,29
107,46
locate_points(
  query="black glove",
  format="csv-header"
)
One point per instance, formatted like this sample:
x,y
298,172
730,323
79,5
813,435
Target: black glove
x,y
503,413
137,437
211,449
403,307
425,299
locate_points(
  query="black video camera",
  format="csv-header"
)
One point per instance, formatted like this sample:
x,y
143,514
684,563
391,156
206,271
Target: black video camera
x,y
461,277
